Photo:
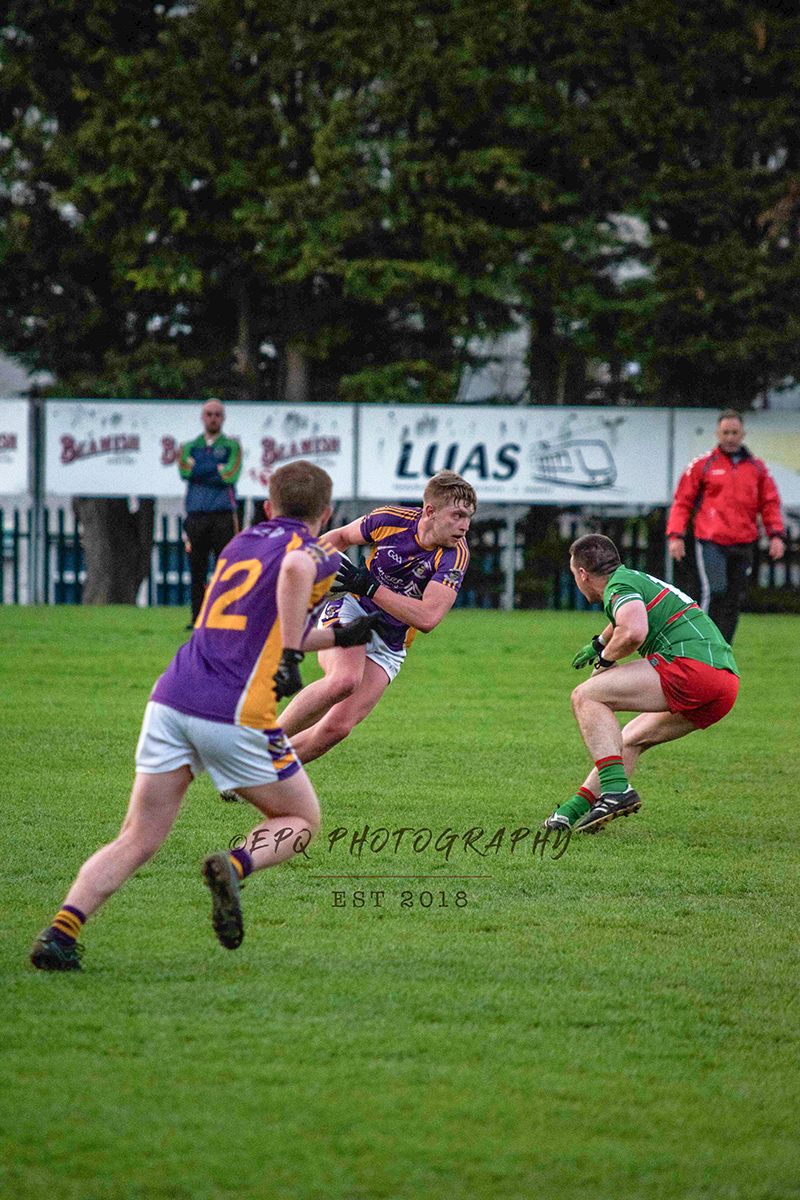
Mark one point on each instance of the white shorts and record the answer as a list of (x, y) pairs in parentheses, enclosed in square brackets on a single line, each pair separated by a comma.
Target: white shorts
[(234, 755), (346, 608)]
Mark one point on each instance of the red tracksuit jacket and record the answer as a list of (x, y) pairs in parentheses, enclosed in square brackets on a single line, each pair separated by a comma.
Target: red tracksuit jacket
[(726, 499)]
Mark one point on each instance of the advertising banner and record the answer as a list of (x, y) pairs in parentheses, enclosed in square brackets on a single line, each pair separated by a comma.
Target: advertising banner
[(773, 435), (13, 447), (517, 454), (510, 454), (131, 447)]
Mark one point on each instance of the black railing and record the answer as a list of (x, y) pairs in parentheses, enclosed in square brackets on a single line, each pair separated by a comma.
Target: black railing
[(15, 556)]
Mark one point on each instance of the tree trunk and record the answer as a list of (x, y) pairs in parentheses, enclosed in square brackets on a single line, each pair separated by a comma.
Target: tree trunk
[(117, 546), (296, 375), (244, 355)]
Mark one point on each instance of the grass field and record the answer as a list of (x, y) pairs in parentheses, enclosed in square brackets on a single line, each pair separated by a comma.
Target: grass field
[(618, 1023)]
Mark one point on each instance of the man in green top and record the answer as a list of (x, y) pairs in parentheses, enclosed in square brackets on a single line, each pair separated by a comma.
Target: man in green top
[(211, 466), (686, 679)]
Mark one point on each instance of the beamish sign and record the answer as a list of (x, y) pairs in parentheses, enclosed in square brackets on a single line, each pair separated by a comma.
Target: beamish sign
[(130, 447)]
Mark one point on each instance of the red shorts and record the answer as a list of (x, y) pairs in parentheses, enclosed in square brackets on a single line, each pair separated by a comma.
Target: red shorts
[(702, 694)]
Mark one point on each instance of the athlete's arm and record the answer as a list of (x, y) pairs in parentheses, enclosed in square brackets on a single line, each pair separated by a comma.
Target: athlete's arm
[(424, 614), (629, 633), (346, 535), (295, 581)]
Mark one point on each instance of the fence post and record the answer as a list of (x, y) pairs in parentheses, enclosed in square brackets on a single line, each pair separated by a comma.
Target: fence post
[(15, 572), (37, 545), (45, 556), (669, 564)]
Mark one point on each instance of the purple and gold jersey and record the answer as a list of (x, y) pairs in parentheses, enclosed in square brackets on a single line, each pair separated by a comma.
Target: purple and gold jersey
[(398, 560), (224, 672)]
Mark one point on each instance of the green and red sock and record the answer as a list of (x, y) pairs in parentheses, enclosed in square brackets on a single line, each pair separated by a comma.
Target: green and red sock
[(577, 805), (612, 774)]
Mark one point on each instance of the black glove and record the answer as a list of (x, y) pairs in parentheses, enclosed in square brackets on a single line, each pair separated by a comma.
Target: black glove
[(358, 632), (287, 677), (354, 579)]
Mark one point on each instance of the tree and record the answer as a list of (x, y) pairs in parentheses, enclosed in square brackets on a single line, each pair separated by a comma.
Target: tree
[(706, 97), (312, 184), (309, 202)]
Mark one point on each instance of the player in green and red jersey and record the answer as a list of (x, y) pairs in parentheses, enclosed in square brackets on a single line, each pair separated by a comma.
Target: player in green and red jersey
[(687, 678)]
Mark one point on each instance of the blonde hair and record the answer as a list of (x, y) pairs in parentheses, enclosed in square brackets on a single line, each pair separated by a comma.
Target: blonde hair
[(445, 487)]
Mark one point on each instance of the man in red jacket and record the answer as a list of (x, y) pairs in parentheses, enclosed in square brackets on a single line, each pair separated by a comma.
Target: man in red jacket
[(726, 490)]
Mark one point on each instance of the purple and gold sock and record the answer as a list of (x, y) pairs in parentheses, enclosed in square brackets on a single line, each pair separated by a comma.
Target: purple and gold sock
[(242, 862), (67, 924)]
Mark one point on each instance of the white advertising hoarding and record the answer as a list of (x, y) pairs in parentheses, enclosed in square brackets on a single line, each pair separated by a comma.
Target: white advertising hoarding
[(131, 447), (13, 447), (517, 454), (771, 435), (510, 454)]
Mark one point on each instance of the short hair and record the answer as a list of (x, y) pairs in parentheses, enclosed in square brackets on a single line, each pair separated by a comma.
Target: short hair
[(445, 487), (300, 489), (596, 553), (730, 414)]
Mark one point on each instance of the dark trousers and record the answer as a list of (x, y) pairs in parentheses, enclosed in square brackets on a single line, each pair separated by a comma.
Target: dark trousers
[(724, 572), (208, 533)]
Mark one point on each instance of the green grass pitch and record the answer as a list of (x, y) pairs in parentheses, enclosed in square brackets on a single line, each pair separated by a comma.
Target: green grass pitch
[(617, 1023)]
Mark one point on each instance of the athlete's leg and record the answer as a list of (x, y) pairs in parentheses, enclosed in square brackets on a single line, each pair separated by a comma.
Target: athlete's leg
[(632, 687), (343, 717), (292, 816), (153, 807), (344, 672), (646, 730)]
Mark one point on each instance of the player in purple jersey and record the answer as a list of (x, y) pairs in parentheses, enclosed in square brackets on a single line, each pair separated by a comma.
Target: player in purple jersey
[(214, 709), (415, 566)]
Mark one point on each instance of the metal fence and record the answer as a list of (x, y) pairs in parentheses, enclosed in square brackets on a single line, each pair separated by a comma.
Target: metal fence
[(537, 576)]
